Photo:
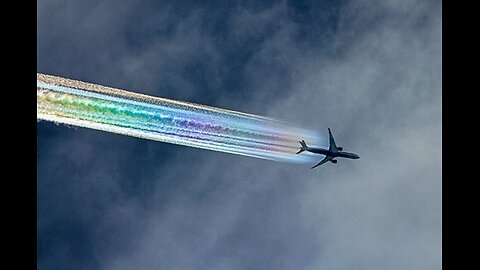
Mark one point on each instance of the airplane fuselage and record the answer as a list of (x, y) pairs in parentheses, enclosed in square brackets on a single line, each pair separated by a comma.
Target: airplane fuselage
[(333, 153)]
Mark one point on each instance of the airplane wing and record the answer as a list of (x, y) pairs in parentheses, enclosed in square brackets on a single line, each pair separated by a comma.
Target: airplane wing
[(333, 145), (325, 159)]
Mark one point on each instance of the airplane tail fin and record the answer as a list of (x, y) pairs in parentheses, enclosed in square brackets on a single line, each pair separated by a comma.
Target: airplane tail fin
[(303, 146)]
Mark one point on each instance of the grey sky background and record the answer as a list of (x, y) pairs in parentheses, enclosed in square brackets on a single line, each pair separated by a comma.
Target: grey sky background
[(370, 70)]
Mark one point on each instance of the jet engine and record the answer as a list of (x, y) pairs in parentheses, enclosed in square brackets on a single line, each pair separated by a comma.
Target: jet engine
[(334, 161), (340, 148)]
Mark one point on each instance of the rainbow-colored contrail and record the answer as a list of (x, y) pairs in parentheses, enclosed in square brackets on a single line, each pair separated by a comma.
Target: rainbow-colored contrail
[(98, 107)]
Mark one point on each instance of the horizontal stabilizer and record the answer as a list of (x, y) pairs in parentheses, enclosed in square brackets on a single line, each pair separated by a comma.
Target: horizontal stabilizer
[(303, 146)]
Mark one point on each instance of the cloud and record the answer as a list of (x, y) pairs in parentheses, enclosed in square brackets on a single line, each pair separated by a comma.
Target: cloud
[(371, 72)]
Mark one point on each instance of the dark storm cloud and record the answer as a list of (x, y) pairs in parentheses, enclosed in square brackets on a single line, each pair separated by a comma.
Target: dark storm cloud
[(370, 70)]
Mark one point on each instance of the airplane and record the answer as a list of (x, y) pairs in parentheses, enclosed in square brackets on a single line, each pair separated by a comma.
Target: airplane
[(332, 152)]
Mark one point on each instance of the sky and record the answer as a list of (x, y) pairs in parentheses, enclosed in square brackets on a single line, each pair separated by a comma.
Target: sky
[(369, 70)]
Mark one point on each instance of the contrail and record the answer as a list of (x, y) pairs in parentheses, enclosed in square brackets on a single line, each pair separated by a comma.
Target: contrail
[(118, 111)]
